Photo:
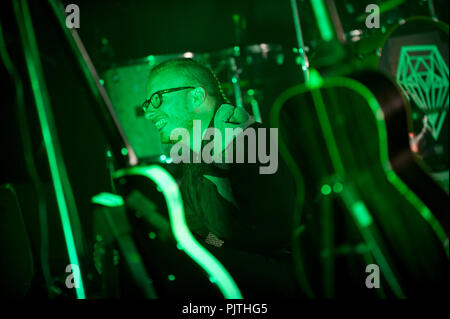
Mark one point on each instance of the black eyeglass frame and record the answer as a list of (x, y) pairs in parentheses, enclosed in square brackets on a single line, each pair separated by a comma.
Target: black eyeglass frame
[(160, 93)]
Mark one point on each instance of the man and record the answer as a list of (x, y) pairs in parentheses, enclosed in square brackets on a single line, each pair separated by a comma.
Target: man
[(231, 207)]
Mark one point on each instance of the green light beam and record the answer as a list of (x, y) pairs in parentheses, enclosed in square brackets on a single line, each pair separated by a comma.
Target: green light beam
[(41, 99)]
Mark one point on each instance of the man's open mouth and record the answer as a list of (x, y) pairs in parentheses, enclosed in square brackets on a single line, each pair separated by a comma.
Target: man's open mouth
[(160, 123)]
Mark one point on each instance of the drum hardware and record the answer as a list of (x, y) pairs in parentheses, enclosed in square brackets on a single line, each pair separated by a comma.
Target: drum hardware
[(112, 223), (235, 71), (301, 44), (334, 15), (432, 10), (239, 24), (255, 105)]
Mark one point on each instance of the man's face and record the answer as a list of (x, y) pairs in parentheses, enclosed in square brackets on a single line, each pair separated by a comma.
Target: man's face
[(174, 111)]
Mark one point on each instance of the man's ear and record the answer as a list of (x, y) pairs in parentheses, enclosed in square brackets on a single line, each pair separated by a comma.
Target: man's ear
[(197, 97)]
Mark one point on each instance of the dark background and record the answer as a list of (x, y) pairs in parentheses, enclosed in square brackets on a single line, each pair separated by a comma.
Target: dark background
[(115, 32)]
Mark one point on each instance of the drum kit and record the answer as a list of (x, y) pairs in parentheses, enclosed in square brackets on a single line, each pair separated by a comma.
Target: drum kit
[(253, 75), (247, 73), (412, 50)]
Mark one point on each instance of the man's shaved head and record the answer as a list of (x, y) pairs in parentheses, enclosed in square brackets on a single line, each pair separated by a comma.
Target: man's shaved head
[(200, 96)]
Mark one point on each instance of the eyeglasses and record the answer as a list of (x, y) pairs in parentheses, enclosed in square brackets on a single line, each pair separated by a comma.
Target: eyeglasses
[(156, 99)]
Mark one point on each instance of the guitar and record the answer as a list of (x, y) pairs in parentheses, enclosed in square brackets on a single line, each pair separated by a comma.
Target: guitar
[(343, 138)]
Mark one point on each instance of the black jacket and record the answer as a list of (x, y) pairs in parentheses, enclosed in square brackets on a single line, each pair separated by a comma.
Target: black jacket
[(261, 220)]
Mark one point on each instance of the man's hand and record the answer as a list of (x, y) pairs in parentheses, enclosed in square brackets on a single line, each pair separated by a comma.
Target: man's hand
[(228, 116)]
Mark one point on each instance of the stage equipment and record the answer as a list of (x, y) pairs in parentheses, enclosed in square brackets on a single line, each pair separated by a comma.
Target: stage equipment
[(344, 140), (251, 75)]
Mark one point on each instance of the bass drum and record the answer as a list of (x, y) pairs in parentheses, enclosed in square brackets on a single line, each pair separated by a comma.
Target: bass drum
[(416, 53)]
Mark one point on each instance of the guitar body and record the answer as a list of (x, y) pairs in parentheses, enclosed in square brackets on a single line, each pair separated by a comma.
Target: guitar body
[(354, 208), (407, 165)]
